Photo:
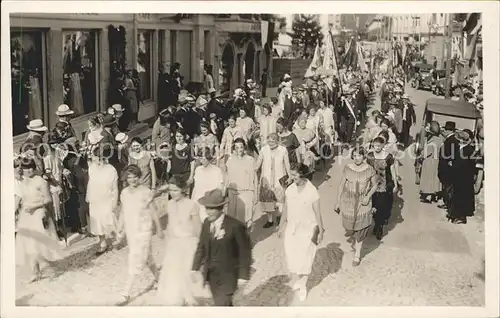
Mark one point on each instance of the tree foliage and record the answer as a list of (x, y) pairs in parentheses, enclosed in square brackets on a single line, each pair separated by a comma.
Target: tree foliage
[(306, 32)]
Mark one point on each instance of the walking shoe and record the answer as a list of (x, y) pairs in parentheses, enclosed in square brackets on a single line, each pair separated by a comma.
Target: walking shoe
[(303, 294), (356, 261)]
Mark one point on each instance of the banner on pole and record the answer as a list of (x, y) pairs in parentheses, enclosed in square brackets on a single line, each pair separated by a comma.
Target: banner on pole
[(329, 60), (264, 28), (315, 63)]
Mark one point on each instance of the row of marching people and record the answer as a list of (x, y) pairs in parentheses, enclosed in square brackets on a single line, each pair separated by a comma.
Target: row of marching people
[(308, 125), (245, 148)]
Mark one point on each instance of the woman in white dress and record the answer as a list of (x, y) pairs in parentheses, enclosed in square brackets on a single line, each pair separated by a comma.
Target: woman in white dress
[(308, 139), (326, 115), (230, 134), (138, 213), (207, 177), (302, 227), (241, 184), (274, 164), (246, 124), (175, 287), (36, 239), (314, 120), (102, 196), (267, 123)]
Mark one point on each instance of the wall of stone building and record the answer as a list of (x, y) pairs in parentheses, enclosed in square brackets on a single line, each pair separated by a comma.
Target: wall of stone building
[(225, 39)]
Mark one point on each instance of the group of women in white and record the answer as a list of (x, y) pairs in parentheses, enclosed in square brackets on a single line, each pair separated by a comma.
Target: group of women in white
[(128, 202)]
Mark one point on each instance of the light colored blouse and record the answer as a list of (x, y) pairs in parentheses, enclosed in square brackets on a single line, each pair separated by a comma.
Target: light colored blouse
[(241, 173), (267, 126), (247, 125), (229, 135)]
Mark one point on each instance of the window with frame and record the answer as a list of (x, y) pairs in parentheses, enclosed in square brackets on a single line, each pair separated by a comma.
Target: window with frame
[(27, 52), (80, 71), (144, 66)]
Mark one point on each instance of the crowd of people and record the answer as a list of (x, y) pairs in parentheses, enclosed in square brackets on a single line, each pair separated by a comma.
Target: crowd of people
[(221, 165)]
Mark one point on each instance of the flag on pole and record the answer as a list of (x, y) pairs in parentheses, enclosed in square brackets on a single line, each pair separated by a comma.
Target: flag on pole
[(315, 63), (330, 60), (361, 59), (264, 28)]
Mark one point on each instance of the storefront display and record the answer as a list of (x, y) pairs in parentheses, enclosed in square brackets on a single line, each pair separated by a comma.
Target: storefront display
[(79, 71), (144, 63), (27, 78)]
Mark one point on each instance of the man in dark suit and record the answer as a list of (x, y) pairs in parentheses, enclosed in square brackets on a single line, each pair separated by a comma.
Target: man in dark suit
[(224, 250), (409, 118), (192, 120), (447, 154), (348, 120), (250, 104), (263, 81)]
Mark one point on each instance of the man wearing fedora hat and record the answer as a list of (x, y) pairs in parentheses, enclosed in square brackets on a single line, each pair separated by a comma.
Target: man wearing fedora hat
[(447, 153), (110, 125), (409, 119), (35, 136), (224, 250), (63, 128), (33, 141), (216, 107)]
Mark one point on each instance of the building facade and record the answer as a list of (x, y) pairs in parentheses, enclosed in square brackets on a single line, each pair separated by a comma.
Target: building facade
[(68, 58)]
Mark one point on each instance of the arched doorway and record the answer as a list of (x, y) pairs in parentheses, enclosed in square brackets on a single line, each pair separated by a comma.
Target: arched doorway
[(249, 61), (226, 68)]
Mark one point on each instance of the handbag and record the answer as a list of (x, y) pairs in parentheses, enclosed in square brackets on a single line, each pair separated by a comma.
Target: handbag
[(315, 235)]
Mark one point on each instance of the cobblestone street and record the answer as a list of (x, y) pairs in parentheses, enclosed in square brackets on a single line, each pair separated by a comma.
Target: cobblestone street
[(422, 261)]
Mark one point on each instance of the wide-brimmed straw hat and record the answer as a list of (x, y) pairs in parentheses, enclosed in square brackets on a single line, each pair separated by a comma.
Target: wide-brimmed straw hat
[(213, 199), (36, 125), (63, 110), (239, 92), (121, 138), (118, 107)]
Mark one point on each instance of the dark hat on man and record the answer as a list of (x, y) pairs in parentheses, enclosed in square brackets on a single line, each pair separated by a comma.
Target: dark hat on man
[(450, 125), (108, 120), (213, 199)]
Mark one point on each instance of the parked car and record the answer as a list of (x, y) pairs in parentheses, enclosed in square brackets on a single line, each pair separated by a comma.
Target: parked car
[(422, 78)]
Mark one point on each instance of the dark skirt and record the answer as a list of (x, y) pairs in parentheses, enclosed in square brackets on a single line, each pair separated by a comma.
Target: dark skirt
[(462, 203), (382, 202)]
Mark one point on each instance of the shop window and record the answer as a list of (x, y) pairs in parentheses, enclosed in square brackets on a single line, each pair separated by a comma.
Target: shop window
[(144, 67), (28, 78), (80, 71)]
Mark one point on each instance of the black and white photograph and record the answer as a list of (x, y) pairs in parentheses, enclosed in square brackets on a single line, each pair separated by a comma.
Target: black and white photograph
[(273, 159)]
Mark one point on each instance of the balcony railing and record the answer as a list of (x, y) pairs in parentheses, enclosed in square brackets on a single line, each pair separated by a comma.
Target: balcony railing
[(238, 17)]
